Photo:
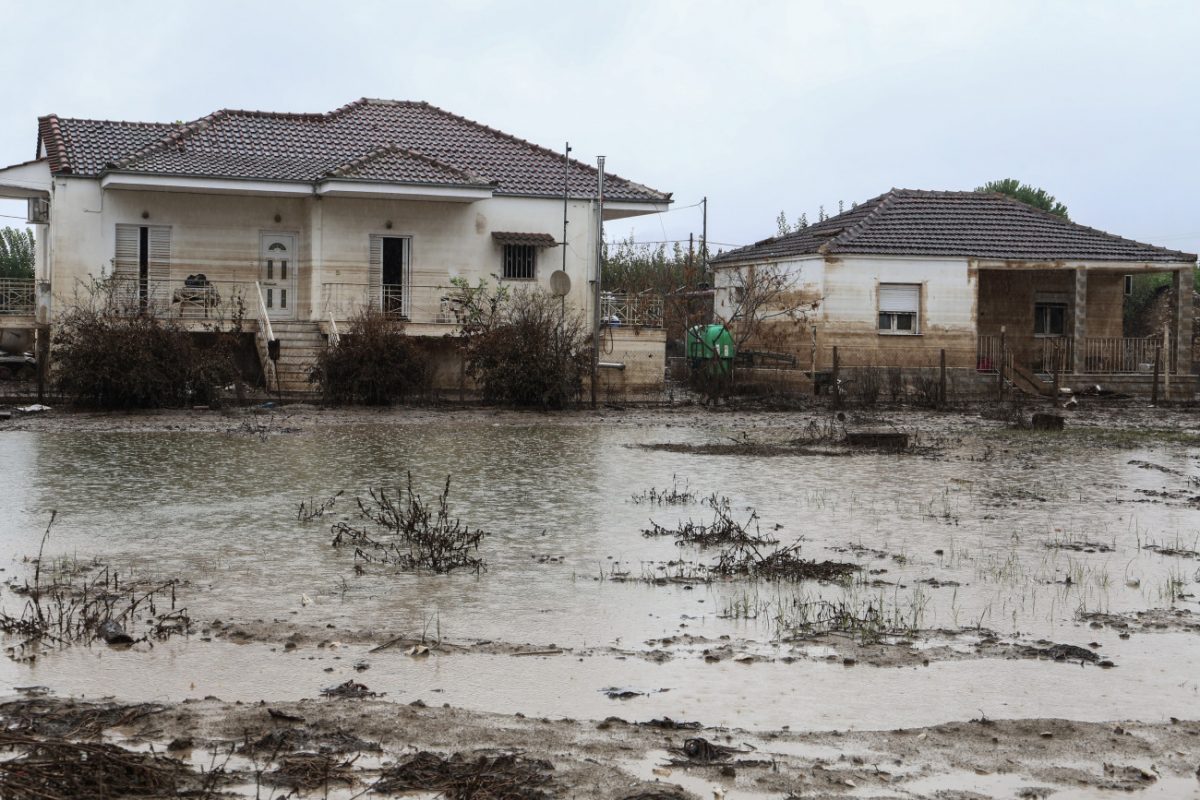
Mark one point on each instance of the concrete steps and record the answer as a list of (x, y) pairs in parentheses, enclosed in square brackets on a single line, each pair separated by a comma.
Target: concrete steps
[(300, 343)]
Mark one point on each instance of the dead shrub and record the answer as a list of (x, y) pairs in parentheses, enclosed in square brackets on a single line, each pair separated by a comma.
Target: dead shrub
[(112, 353), (523, 348), (895, 384), (373, 363), (406, 531), (866, 387)]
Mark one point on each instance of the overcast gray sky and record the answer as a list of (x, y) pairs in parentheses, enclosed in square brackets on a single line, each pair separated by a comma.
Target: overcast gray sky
[(761, 106)]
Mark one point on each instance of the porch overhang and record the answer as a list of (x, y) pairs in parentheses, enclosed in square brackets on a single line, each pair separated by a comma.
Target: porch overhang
[(30, 180), (403, 191), (1126, 267), (203, 185), (620, 209)]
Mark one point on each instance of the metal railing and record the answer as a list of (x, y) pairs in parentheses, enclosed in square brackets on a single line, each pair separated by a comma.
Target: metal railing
[(1053, 353), (1094, 355), (989, 354), (641, 310), (17, 296), (420, 304), (187, 298), (1123, 354)]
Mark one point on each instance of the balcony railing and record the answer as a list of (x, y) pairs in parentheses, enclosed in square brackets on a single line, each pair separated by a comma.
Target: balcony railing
[(17, 296), (1095, 355), (420, 304), (186, 298), (642, 310)]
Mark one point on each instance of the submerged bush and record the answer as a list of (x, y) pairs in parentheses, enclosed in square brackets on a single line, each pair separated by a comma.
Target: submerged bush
[(111, 353), (374, 363), (524, 349)]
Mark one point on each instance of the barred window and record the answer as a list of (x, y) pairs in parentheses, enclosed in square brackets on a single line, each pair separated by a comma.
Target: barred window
[(520, 262)]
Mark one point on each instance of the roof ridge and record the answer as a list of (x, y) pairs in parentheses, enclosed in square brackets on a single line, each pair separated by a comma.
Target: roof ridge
[(127, 122), (387, 149), (52, 125), (534, 146), (882, 202), (174, 137)]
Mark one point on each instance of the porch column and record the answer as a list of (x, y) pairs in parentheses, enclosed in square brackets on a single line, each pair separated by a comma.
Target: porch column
[(1181, 318), (1080, 313)]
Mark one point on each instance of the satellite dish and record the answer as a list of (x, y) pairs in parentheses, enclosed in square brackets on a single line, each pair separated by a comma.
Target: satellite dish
[(560, 283)]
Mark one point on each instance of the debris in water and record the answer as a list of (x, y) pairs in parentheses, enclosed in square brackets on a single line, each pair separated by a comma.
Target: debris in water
[(350, 690)]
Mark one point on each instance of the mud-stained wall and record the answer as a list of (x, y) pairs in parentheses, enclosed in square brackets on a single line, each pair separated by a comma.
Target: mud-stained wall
[(642, 352), (219, 235), (1008, 298), (846, 294)]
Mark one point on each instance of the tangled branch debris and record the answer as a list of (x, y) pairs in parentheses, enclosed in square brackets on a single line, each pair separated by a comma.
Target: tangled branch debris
[(56, 769), (69, 719), (744, 549), (77, 603), (403, 530), (307, 771), (461, 777)]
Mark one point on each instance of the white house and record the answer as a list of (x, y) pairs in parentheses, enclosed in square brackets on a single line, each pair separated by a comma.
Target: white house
[(302, 219), (903, 276)]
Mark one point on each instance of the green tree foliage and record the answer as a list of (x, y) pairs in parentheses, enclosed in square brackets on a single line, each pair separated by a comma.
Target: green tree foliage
[(1030, 195), (16, 253), (630, 266)]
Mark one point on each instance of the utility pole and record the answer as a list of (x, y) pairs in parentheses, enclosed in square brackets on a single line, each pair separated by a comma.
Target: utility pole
[(704, 238), (599, 269), (566, 196)]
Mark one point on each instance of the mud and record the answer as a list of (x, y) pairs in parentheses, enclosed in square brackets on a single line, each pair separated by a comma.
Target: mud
[(1012, 571), (402, 747)]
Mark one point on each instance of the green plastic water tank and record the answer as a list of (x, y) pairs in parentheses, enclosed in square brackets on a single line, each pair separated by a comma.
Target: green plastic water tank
[(712, 344)]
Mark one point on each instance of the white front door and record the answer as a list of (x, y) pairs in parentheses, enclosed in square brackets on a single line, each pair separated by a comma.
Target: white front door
[(277, 274)]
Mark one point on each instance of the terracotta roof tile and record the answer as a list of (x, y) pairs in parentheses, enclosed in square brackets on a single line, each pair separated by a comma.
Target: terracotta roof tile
[(305, 147), (908, 222), (535, 239)]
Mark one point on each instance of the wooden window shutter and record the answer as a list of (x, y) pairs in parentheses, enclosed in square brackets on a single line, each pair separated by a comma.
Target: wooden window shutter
[(159, 261), (375, 272), (125, 265)]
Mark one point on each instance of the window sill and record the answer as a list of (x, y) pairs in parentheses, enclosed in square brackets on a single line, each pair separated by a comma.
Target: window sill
[(900, 333), (523, 280)]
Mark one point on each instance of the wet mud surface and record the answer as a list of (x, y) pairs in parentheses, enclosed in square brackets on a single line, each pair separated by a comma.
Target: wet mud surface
[(997, 612), (341, 747)]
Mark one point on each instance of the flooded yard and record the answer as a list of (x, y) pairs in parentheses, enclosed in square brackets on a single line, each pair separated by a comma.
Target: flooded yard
[(1018, 595)]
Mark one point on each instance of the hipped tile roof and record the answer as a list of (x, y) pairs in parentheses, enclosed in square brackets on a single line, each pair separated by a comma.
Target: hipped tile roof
[(909, 222), (378, 140)]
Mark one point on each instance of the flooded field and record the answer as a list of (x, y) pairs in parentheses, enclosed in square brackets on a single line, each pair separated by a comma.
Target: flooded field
[(1002, 576)]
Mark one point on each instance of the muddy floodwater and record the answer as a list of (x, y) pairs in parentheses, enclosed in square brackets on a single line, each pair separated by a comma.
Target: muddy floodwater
[(1011, 575)]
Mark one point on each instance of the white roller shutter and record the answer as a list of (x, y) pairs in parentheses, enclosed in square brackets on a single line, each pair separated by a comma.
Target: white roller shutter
[(375, 272), (125, 265), (159, 262), (900, 297)]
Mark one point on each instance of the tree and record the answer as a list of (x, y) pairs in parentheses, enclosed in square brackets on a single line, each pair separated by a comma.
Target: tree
[(1029, 195), (16, 253)]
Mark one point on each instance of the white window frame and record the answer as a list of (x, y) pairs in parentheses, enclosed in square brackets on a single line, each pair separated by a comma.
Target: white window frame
[(894, 312)]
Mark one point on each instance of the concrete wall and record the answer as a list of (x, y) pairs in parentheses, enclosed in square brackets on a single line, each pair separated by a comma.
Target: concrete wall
[(643, 354), (219, 235), (846, 292)]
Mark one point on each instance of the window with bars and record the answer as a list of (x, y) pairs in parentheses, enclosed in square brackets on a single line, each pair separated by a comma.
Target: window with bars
[(520, 262)]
